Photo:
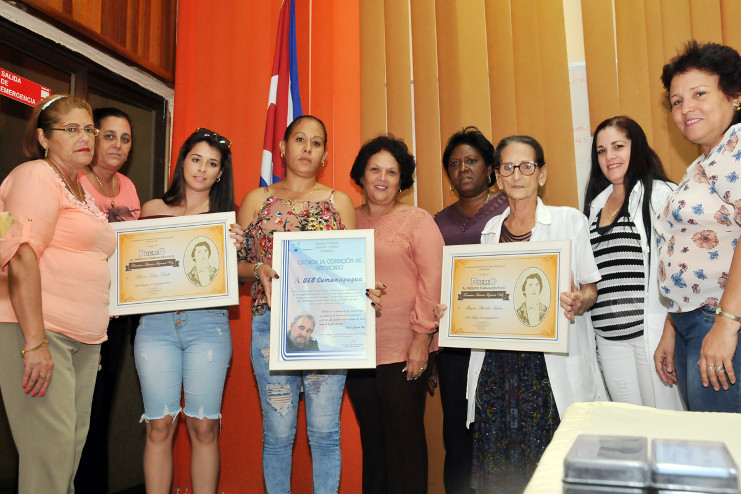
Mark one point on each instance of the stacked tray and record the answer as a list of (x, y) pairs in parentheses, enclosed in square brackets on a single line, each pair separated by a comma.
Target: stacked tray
[(620, 464)]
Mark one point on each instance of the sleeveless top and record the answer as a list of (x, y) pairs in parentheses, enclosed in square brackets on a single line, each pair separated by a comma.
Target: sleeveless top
[(282, 215)]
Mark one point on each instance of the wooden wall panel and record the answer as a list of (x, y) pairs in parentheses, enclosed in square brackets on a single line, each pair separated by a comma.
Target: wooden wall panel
[(139, 31)]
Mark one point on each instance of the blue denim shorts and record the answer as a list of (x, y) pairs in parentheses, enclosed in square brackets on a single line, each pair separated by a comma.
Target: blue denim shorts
[(185, 350)]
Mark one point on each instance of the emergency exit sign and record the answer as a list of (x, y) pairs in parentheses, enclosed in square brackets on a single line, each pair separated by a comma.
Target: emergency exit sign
[(16, 87)]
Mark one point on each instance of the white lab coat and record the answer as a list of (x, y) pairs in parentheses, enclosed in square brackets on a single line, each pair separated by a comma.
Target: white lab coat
[(574, 376)]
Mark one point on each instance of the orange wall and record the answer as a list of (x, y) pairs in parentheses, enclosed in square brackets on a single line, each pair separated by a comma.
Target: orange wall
[(223, 64)]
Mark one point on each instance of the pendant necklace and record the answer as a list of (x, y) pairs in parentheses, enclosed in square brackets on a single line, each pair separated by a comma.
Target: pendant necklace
[(102, 189), (185, 208), (79, 193)]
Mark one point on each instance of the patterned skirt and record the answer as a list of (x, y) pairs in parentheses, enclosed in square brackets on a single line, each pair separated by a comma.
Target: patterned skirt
[(516, 417)]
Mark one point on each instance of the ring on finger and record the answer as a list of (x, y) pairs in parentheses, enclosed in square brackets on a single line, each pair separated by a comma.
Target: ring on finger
[(716, 368), (42, 377)]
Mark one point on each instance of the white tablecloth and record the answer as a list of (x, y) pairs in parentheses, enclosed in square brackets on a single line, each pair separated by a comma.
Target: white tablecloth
[(620, 419)]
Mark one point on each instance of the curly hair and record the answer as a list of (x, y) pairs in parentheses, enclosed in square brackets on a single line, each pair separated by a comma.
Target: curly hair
[(396, 148), (712, 58)]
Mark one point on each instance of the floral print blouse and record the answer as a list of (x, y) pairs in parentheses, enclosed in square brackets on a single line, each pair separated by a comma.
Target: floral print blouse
[(282, 215), (699, 227)]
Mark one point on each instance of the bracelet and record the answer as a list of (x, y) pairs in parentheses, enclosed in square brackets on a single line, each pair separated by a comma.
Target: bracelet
[(242, 254), (45, 342), (254, 271), (721, 312)]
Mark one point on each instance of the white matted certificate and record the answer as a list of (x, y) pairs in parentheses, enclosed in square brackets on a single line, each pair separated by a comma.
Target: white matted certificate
[(174, 263), (320, 315), (505, 296)]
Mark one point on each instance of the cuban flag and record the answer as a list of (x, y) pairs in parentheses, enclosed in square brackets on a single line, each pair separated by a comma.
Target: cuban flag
[(284, 101)]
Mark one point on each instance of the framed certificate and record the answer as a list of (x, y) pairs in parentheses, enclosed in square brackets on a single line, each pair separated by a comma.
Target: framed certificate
[(506, 296), (178, 263), (320, 316)]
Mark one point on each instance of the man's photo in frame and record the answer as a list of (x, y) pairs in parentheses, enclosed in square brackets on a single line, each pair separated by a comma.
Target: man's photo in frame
[(533, 300)]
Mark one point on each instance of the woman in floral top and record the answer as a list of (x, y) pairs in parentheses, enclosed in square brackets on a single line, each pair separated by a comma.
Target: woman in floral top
[(298, 203), (698, 229)]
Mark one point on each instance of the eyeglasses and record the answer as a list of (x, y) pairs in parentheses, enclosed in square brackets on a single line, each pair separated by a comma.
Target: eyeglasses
[(219, 138), (526, 168), (91, 131)]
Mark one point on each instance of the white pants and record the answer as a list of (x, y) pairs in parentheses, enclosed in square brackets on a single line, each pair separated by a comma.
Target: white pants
[(627, 370)]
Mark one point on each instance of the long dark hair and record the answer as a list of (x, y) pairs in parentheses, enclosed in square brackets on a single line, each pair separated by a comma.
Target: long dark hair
[(644, 166), (221, 196)]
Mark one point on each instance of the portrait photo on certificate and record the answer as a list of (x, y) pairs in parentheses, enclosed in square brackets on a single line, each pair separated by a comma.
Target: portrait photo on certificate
[(320, 316), (174, 263), (506, 296)]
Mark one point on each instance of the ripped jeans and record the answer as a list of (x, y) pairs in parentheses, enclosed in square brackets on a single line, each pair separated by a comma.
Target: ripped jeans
[(188, 351), (279, 398)]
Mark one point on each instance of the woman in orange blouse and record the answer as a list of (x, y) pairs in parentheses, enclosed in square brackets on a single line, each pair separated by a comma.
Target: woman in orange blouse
[(53, 295), (389, 401)]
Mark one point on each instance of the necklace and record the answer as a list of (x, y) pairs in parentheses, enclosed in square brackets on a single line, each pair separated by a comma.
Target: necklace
[(79, 195), (465, 224), (612, 215), (185, 208), (113, 187)]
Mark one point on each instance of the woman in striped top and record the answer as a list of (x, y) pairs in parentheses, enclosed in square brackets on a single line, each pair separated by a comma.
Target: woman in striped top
[(627, 185)]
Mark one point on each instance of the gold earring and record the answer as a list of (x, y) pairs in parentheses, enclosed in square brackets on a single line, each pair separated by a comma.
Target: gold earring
[(451, 188), (322, 163), (282, 154), (737, 106)]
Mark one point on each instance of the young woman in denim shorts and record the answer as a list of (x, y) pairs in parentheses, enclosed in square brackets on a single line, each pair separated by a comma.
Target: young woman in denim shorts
[(187, 350)]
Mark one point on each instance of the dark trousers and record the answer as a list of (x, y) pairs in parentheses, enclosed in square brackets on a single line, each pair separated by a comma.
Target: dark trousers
[(390, 412), (92, 474), (452, 369)]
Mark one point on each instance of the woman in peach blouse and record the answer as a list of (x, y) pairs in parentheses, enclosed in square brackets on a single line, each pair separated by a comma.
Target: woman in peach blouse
[(53, 295), (389, 401)]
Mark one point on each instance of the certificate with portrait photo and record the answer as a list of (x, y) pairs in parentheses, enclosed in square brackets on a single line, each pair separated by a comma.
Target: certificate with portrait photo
[(174, 263), (506, 296), (320, 315)]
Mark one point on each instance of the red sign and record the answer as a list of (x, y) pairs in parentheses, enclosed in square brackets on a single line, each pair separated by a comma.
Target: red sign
[(20, 89)]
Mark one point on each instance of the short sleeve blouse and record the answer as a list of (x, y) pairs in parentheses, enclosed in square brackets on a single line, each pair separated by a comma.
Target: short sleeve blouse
[(698, 228), (72, 241)]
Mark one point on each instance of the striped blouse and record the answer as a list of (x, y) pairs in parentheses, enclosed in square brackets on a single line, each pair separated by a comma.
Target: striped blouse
[(618, 312)]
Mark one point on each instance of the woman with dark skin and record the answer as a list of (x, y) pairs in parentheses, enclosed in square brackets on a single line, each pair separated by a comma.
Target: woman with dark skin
[(468, 160)]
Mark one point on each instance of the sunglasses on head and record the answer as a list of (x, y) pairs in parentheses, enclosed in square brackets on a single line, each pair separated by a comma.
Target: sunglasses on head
[(219, 138)]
